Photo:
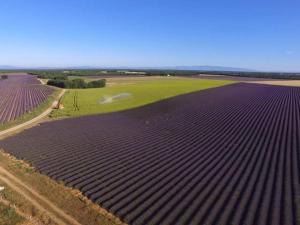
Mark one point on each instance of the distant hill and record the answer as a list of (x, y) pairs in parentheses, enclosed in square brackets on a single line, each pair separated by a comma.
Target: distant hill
[(213, 68), (200, 68), (6, 67)]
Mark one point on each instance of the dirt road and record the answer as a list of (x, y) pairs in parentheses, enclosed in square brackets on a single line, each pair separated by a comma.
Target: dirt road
[(34, 120), (37, 200)]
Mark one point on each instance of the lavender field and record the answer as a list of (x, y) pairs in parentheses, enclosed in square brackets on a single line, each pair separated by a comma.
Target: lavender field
[(20, 94), (223, 156)]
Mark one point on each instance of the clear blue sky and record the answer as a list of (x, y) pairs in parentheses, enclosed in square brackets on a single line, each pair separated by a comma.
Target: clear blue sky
[(256, 34)]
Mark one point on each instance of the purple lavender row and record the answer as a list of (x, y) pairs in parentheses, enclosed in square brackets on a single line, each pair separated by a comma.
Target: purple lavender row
[(228, 155), (20, 94)]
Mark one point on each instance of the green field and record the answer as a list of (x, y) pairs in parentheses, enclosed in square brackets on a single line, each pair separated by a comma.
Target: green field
[(138, 91)]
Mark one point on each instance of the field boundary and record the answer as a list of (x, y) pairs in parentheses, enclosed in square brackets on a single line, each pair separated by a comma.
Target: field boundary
[(85, 102), (55, 213), (208, 157), (36, 119)]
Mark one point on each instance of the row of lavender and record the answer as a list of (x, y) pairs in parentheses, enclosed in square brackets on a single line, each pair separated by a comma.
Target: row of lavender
[(226, 156), (20, 94)]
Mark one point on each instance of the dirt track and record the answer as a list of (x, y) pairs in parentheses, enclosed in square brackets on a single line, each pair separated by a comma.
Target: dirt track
[(38, 201), (228, 155), (32, 121)]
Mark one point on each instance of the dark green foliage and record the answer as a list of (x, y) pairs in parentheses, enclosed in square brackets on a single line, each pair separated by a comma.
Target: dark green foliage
[(77, 83), (59, 77), (53, 75), (58, 83), (97, 84)]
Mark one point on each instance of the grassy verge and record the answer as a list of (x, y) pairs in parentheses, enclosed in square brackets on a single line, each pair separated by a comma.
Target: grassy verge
[(139, 91), (35, 112), (8, 215), (71, 201)]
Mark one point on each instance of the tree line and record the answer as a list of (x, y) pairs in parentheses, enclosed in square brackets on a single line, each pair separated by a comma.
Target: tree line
[(76, 83)]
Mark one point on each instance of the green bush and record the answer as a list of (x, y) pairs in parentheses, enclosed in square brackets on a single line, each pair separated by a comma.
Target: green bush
[(77, 83), (96, 83), (49, 75), (58, 83)]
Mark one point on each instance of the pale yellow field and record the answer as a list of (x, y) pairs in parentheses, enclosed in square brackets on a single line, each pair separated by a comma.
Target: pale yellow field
[(294, 83)]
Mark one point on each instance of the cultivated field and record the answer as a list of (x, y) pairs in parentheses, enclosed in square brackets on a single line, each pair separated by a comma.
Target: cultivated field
[(292, 83), (20, 94), (130, 92), (232, 78), (36, 199), (222, 156)]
